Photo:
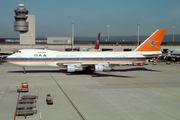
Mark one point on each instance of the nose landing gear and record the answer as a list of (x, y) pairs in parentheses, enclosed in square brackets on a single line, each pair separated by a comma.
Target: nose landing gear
[(24, 70)]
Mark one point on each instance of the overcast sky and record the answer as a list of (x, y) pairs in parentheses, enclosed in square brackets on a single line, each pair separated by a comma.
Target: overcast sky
[(93, 16)]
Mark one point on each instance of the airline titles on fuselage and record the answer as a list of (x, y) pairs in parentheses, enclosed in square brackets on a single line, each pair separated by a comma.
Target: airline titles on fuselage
[(40, 55), (44, 55)]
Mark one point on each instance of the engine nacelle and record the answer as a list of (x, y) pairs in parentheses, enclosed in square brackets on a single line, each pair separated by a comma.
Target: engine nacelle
[(98, 68), (70, 68), (101, 67), (73, 68)]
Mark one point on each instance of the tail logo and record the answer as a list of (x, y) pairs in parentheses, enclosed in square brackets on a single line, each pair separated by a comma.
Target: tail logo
[(152, 43)]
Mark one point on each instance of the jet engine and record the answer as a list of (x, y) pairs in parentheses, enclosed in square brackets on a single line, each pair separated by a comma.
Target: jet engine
[(101, 67), (73, 68)]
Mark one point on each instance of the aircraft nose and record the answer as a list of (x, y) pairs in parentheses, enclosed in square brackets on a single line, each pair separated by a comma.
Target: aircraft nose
[(6, 59)]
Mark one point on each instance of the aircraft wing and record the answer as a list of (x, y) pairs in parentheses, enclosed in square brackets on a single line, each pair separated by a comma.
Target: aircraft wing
[(94, 63), (67, 63), (96, 66)]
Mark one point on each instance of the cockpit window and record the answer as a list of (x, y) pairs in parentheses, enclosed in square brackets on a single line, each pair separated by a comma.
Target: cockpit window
[(18, 51)]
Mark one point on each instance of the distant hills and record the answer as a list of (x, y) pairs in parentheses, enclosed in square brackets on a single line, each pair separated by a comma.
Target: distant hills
[(167, 38), (126, 38)]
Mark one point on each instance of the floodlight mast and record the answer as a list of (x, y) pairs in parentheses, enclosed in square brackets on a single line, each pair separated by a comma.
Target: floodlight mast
[(108, 26), (138, 34), (173, 33), (72, 37)]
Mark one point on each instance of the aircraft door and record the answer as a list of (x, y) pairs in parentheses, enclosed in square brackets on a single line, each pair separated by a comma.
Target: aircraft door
[(79, 59), (28, 59), (104, 59)]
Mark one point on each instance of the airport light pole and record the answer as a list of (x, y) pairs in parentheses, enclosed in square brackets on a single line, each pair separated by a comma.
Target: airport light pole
[(46, 33), (138, 34), (108, 26), (173, 32), (72, 37)]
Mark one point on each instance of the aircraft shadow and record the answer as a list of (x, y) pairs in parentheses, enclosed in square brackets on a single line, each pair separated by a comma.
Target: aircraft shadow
[(105, 74), (93, 74), (109, 74), (36, 71), (135, 69)]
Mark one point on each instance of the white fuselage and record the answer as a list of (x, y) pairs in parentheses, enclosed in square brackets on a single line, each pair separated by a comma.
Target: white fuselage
[(50, 58)]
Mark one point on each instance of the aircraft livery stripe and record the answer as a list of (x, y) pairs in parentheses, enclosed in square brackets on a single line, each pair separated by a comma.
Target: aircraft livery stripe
[(71, 59), (115, 58)]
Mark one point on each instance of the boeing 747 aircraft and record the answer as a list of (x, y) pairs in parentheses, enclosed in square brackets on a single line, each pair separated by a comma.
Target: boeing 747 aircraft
[(95, 61)]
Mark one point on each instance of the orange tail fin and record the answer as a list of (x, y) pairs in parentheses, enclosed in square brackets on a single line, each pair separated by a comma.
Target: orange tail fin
[(153, 42), (97, 42)]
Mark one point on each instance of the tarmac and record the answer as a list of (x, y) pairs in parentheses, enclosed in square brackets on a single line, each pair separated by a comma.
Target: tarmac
[(150, 92)]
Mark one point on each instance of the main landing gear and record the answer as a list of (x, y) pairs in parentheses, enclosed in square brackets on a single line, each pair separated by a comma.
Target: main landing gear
[(24, 70)]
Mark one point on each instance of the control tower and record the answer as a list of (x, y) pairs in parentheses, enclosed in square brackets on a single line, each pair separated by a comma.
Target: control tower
[(20, 23), (25, 24)]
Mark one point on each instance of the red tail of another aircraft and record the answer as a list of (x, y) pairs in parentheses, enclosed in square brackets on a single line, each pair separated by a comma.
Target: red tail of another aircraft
[(97, 42)]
